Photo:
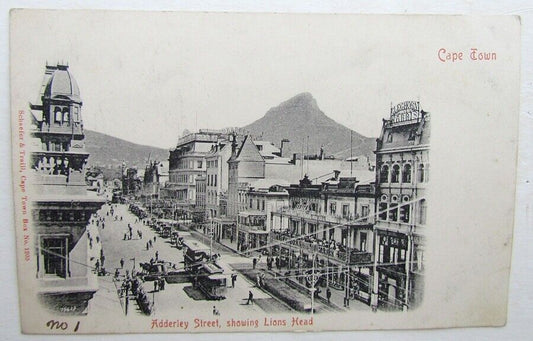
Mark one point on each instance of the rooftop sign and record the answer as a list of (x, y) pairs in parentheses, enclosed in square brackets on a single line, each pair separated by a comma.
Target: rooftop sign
[(405, 113)]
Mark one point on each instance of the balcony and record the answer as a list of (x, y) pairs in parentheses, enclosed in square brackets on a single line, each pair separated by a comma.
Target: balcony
[(327, 248), (346, 219)]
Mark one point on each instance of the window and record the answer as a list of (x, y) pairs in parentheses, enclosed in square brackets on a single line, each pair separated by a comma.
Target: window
[(389, 137), (421, 175), (66, 116), (199, 164), (406, 176), (215, 183), (332, 207), (364, 211), (54, 252), (58, 115), (383, 210), (362, 242), (251, 203), (404, 213), (384, 174), (422, 212), (345, 211), (393, 212), (395, 174)]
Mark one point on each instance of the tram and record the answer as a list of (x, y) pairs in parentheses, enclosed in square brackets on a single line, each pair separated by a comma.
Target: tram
[(194, 255), (212, 281)]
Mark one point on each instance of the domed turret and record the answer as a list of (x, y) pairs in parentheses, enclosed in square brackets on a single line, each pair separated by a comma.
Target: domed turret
[(61, 85)]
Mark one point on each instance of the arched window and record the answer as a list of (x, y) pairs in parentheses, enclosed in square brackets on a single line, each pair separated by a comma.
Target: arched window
[(66, 116), (395, 174), (421, 175), (406, 176), (426, 175), (422, 212), (57, 115), (384, 174)]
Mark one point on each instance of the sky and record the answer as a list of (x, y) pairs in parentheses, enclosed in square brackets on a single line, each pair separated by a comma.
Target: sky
[(147, 76)]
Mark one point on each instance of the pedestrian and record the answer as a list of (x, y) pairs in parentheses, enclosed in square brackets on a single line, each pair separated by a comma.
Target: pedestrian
[(156, 256), (162, 284), (258, 280), (233, 280), (254, 262), (102, 259), (231, 239), (125, 235), (155, 238), (97, 266), (250, 297), (140, 234), (147, 246), (156, 282), (150, 243), (103, 226), (121, 263), (328, 294)]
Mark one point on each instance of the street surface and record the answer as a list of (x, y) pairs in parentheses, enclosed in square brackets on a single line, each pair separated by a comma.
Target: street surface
[(176, 296)]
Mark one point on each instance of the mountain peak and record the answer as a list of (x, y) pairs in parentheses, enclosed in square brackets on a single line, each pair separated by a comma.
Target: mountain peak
[(304, 100), (300, 117), (303, 104)]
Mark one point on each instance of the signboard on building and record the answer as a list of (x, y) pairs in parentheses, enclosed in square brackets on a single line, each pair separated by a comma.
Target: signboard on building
[(405, 113)]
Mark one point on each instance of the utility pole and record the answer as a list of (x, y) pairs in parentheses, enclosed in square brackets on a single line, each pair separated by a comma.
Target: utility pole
[(313, 285), (351, 152)]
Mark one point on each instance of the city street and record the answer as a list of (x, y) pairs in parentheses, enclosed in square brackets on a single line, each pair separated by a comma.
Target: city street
[(176, 296)]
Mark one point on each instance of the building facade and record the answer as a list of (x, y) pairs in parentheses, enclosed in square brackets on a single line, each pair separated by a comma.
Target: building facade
[(186, 163), (217, 189), (402, 175), (329, 227), (254, 222), (61, 205)]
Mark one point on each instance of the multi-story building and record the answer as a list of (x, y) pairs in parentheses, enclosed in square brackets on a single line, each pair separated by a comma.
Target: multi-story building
[(199, 207), (186, 163), (402, 174), (61, 204), (263, 197), (217, 188), (245, 166), (329, 226)]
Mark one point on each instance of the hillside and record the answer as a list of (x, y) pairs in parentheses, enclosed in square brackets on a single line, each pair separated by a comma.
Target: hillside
[(109, 152), (299, 117)]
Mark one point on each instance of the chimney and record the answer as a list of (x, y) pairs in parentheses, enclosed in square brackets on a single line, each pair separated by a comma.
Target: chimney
[(283, 141), (233, 143)]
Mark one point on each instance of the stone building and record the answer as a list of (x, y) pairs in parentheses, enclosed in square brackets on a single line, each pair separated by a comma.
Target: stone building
[(187, 162), (61, 205), (402, 175)]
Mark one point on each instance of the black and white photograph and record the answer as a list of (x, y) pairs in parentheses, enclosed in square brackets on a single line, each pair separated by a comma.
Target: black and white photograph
[(223, 172)]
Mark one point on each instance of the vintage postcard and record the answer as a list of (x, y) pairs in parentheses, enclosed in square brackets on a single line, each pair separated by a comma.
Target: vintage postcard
[(227, 172)]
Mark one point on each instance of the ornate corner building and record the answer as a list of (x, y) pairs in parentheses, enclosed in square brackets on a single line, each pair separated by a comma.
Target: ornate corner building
[(402, 174), (61, 204)]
